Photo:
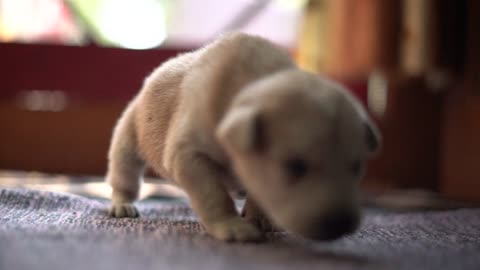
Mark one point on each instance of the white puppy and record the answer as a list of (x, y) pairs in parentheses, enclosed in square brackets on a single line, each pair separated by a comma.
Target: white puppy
[(238, 115)]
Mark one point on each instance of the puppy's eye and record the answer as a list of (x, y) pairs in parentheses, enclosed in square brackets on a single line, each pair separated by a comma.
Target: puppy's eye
[(296, 167), (355, 167)]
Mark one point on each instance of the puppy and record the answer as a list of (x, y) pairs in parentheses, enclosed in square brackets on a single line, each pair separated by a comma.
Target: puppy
[(239, 115)]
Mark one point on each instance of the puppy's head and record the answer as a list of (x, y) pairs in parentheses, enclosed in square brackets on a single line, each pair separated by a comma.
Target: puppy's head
[(299, 145)]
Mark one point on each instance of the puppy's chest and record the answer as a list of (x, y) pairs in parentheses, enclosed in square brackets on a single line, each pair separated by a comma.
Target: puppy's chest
[(222, 164), (233, 184)]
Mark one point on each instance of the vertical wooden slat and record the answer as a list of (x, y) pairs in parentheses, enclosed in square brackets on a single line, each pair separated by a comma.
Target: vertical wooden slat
[(461, 143)]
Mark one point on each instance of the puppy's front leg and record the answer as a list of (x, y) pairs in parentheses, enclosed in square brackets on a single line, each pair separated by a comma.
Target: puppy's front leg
[(201, 179)]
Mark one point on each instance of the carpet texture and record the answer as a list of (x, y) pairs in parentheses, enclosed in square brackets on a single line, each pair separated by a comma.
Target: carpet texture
[(43, 230)]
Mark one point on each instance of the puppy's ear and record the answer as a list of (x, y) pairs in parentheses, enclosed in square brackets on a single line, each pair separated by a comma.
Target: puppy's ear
[(373, 138), (242, 129)]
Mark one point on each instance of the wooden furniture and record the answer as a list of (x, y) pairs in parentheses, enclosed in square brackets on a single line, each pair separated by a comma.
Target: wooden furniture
[(95, 85), (427, 51)]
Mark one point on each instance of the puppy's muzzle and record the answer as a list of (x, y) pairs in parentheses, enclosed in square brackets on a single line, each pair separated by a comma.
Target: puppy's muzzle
[(334, 226)]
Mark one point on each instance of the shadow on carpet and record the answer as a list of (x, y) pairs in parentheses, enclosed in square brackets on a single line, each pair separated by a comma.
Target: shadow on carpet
[(44, 230)]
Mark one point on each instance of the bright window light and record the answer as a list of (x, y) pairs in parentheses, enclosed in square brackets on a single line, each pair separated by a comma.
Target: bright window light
[(133, 24)]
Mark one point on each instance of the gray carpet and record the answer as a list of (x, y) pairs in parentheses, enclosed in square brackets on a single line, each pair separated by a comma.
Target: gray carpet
[(42, 230)]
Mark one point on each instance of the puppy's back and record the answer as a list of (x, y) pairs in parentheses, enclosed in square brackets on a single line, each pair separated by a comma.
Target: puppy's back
[(200, 86), (156, 105), (225, 67)]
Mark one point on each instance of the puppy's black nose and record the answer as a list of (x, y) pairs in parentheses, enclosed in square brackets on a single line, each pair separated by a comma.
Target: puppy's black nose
[(335, 225)]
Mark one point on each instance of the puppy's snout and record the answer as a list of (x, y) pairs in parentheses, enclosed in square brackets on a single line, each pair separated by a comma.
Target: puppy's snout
[(335, 225)]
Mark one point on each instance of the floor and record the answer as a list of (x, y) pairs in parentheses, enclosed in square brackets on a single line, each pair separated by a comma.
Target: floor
[(44, 230)]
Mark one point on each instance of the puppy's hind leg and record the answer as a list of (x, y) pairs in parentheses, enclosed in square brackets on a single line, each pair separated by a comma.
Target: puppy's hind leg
[(125, 167)]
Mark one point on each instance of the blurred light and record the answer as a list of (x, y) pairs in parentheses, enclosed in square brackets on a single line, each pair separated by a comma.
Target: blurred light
[(377, 93), (87, 186), (43, 100), (438, 80), (37, 20), (292, 4), (104, 190), (133, 24)]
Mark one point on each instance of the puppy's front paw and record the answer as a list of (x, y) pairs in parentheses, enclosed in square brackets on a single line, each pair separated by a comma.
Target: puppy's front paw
[(235, 229), (253, 215), (123, 210), (262, 223)]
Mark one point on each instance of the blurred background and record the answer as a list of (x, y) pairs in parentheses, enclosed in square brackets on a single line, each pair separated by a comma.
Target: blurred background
[(68, 68)]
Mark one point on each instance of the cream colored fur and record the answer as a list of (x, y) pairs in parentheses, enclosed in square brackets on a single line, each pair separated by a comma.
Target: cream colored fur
[(229, 117)]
